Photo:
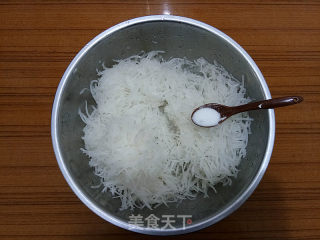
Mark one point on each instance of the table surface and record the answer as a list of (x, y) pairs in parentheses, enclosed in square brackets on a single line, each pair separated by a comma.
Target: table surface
[(38, 39)]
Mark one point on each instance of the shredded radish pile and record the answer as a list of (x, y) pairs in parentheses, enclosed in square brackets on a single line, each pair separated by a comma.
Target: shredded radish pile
[(140, 138)]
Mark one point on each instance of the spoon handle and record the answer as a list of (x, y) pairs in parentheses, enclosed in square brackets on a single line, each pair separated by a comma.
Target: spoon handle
[(266, 104)]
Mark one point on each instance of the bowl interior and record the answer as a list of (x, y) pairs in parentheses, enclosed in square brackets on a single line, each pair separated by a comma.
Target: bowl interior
[(177, 40)]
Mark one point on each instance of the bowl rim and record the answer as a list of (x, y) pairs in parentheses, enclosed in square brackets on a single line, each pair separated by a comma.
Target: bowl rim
[(99, 211)]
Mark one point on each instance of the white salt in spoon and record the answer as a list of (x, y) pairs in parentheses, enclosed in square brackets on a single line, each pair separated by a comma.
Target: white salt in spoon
[(212, 114)]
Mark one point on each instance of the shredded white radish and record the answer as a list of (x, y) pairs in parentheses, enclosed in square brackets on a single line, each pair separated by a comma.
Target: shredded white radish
[(140, 138)]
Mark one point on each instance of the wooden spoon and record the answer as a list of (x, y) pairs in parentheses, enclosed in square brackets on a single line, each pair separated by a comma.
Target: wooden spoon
[(212, 114)]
